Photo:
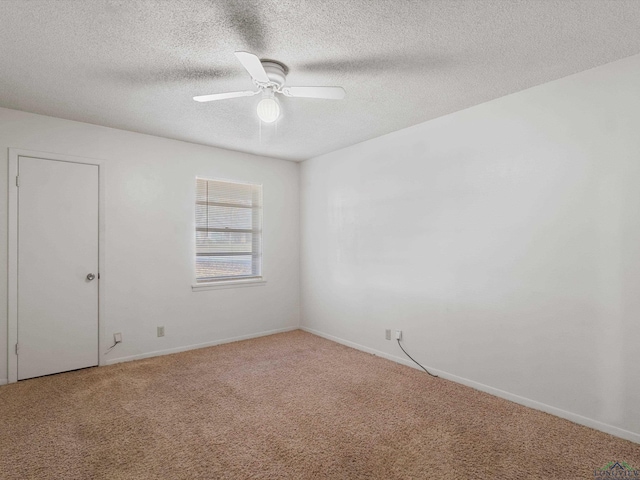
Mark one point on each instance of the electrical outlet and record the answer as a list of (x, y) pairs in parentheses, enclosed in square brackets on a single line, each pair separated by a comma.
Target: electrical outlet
[(117, 338), (398, 334), (387, 334), (161, 331)]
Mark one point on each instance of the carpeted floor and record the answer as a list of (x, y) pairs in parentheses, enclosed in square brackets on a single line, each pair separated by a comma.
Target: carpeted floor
[(291, 405)]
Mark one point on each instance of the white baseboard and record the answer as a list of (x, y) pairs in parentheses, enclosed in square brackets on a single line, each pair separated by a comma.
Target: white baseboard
[(573, 417), (157, 353), (3, 381)]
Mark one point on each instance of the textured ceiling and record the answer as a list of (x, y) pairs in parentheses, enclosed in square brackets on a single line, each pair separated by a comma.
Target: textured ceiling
[(135, 65)]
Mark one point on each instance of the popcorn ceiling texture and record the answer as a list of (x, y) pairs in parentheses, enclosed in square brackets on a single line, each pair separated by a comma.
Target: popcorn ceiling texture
[(291, 405), (135, 65)]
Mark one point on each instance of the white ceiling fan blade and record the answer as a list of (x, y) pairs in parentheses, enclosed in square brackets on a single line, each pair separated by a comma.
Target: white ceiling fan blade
[(253, 66), (224, 96), (332, 93)]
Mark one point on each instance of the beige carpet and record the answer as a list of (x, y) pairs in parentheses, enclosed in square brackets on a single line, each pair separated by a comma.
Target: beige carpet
[(291, 405)]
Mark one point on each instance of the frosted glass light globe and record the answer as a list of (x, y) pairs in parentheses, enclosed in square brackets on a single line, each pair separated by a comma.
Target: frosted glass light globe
[(268, 110)]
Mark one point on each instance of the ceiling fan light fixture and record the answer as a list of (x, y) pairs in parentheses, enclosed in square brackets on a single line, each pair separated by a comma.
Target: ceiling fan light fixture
[(269, 77), (268, 108)]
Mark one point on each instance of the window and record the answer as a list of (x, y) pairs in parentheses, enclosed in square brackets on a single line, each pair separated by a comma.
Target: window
[(228, 231)]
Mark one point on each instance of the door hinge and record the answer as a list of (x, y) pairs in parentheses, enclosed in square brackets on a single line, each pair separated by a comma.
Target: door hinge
[(98, 275), (17, 180), (17, 348)]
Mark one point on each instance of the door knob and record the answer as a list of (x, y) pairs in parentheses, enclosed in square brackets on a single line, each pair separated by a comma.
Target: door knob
[(91, 276)]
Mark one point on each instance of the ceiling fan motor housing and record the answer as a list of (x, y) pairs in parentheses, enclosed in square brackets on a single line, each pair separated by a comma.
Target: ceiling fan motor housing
[(276, 72)]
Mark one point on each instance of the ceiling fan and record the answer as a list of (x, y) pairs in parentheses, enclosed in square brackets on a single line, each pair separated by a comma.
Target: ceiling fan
[(269, 76)]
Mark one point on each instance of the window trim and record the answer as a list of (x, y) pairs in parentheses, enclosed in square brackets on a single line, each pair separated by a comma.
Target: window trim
[(218, 284)]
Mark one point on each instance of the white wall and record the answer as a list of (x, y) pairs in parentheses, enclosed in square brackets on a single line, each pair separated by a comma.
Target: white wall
[(149, 269), (504, 240)]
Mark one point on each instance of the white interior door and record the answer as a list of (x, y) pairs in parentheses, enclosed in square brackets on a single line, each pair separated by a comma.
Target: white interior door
[(57, 250)]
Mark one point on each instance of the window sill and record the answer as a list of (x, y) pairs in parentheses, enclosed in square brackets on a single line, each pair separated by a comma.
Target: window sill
[(252, 282)]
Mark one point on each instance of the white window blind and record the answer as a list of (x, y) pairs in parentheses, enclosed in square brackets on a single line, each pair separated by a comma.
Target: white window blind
[(228, 230)]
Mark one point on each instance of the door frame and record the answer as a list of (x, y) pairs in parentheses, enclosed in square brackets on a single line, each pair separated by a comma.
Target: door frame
[(12, 293)]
